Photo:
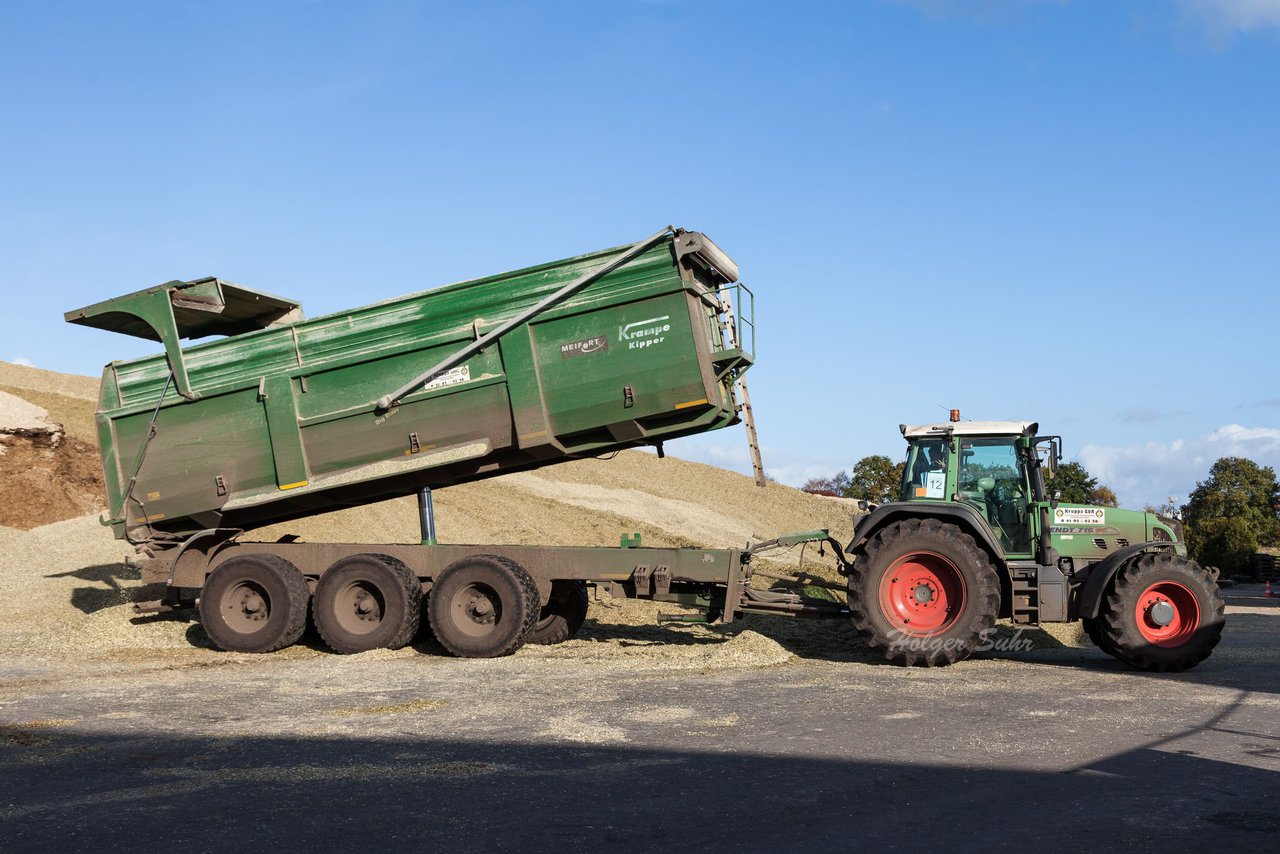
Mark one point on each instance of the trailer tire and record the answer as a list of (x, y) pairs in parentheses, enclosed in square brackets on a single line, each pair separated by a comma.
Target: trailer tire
[(483, 606), (1163, 612), (923, 593), (367, 601), (563, 614), (254, 603)]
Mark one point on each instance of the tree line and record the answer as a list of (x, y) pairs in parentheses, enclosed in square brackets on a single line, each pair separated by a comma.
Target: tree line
[(1227, 517)]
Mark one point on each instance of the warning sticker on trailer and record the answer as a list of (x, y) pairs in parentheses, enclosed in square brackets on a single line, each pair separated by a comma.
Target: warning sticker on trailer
[(1079, 516)]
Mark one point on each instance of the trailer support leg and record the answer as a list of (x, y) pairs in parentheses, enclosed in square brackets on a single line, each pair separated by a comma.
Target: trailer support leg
[(427, 516)]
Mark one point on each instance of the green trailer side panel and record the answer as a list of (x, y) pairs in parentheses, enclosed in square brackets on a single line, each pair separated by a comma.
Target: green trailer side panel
[(283, 433), (283, 423)]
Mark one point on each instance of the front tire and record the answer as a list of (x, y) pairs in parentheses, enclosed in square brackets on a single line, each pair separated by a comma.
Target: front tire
[(1094, 629), (923, 593), (1162, 613)]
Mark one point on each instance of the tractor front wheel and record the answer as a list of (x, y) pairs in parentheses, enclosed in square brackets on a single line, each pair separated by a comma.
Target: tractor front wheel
[(1163, 613), (923, 593)]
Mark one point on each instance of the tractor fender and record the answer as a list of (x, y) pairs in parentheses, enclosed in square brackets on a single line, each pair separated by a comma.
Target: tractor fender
[(1101, 573), (967, 517)]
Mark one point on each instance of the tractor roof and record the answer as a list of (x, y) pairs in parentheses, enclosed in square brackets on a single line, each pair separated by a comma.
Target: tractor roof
[(971, 428)]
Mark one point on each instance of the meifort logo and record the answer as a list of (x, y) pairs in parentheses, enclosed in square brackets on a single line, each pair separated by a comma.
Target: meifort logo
[(645, 333), (585, 347)]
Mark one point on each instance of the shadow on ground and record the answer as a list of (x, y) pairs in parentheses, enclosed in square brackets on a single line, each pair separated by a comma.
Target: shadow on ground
[(117, 584), (69, 791)]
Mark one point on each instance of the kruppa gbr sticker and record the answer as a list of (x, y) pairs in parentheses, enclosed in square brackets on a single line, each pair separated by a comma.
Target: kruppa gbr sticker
[(1079, 516)]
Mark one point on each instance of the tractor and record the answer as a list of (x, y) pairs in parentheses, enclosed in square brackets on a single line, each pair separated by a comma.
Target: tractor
[(979, 534)]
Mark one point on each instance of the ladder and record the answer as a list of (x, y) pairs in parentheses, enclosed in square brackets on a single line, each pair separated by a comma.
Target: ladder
[(730, 327)]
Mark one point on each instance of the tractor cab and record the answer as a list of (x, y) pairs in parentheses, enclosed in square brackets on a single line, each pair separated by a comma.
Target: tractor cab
[(989, 465)]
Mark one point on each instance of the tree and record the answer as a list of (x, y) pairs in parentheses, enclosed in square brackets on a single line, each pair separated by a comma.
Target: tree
[(1225, 543), (876, 478), (1102, 496), (834, 485), (1232, 512), (1075, 483), (1238, 488)]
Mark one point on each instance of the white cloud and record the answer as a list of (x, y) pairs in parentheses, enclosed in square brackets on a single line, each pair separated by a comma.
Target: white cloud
[(1224, 18), (1150, 472), (26, 363)]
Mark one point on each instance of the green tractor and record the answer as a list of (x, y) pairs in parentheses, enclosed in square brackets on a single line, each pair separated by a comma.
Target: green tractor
[(977, 536)]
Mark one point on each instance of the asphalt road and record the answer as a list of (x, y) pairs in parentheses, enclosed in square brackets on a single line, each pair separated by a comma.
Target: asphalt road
[(1042, 750)]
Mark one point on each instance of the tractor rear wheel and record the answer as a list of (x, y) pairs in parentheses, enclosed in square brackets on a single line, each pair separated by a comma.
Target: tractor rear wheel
[(483, 606), (1163, 613), (365, 602), (923, 592), (254, 603), (563, 615)]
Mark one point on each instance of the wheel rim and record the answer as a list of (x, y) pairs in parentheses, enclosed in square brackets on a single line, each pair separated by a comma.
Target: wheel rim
[(359, 607), (245, 607), (1167, 614), (922, 593), (475, 610)]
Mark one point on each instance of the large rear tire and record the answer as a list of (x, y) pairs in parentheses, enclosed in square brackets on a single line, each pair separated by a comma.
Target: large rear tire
[(365, 602), (254, 603), (483, 606), (923, 593), (1162, 613), (563, 615)]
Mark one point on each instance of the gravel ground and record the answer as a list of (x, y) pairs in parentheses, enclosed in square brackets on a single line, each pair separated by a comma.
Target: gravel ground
[(678, 737)]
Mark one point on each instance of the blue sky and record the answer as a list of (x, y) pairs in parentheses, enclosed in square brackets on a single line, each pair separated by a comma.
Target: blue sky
[(1065, 211)]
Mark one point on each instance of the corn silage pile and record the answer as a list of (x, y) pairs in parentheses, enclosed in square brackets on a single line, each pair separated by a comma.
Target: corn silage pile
[(65, 590)]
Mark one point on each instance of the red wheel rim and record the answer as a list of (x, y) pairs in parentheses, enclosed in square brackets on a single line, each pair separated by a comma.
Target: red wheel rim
[(922, 594), (1167, 614)]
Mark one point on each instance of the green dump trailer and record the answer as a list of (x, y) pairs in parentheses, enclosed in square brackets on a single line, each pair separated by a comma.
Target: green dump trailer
[(284, 417)]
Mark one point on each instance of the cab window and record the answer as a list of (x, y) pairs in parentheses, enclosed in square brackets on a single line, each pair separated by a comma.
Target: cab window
[(925, 475), (991, 476)]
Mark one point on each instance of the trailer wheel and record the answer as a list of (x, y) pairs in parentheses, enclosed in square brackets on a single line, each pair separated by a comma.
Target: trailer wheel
[(563, 615), (483, 606), (367, 601), (923, 593), (1163, 613), (254, 603)]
